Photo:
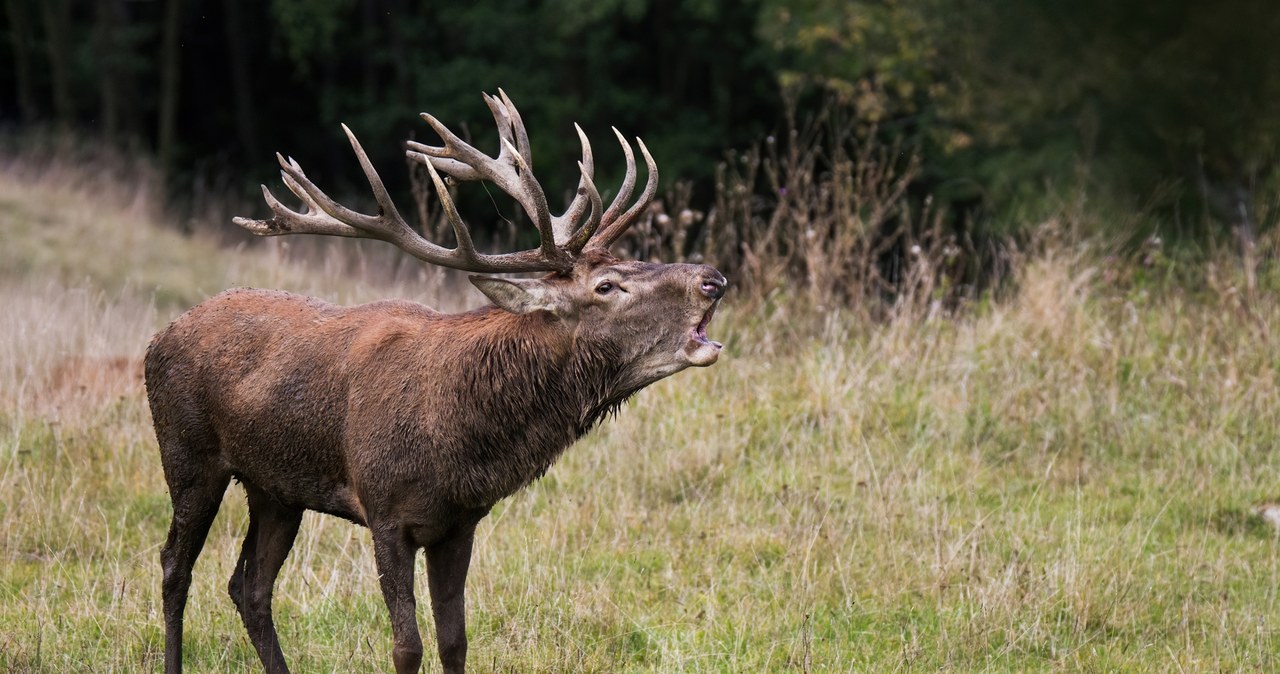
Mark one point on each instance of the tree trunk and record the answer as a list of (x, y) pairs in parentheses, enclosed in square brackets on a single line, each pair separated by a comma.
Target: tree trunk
[(57, 26), (238, 47), (20, 38), (170, 80), (401, 62), (108, 48), (368, 67)]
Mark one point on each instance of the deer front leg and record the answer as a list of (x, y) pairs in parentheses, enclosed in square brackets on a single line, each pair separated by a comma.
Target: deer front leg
[(394, 555), (447, 563)]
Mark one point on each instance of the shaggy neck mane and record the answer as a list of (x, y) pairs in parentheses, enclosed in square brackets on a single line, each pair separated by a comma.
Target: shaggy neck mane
[(534, 392), (534, 356)]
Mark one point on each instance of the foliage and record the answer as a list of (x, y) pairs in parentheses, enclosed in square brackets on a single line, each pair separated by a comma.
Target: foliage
[(690, 77), (309, 28), (1152, 107), (876, 55), (1164, 104)]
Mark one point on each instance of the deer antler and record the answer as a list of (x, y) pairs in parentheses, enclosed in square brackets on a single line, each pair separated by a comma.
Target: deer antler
[(561, 238)]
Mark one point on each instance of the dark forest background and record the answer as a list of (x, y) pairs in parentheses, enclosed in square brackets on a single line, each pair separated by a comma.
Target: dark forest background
[(1162, 115)]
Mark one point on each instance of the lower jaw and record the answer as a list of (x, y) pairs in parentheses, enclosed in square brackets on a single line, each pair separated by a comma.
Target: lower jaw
[(701, 354)]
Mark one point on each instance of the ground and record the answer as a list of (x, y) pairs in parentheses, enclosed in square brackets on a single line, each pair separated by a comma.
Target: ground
[(1062, 478)]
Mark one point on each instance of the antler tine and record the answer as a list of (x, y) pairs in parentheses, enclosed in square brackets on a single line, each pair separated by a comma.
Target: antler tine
[(502, 119), (615, 227), (286, 221), (531, 196), (315, 217), (565, 224), (561, 238), (325, 204), (312, 206), (628, 181), (328, 217), (517, 125), (389, 218), (510, 170), (460, 231), (456, 157), (579, 241), (450, 167)]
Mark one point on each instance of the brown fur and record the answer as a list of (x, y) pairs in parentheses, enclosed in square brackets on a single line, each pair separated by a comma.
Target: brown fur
[(397, 417)]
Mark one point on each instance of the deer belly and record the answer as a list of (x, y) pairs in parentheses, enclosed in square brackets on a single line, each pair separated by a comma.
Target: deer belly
[(310, 491), (298, 468)]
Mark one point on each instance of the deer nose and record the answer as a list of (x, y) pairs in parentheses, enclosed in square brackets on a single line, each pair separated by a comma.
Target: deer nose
[(714, 287)]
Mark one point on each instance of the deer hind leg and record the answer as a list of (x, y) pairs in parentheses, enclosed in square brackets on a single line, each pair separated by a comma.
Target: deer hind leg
[(272, 528), (195, 504)]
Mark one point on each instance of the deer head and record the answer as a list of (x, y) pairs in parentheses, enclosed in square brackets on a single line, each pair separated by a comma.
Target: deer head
[(653, 316)]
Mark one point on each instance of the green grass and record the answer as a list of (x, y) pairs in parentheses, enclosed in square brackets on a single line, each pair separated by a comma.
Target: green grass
[(1062, 481)]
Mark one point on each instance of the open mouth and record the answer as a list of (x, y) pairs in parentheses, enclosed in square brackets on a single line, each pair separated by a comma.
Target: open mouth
[(700, 331)]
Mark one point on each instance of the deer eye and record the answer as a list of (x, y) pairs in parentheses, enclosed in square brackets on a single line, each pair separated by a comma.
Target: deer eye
[(604, 288)]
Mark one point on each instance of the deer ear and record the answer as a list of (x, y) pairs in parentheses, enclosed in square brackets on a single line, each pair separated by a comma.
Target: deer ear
[(519, 296)]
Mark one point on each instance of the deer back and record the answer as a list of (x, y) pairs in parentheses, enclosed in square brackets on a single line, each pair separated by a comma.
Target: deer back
[(316, 402)]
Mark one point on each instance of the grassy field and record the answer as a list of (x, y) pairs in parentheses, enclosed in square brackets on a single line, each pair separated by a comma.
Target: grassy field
[(1065, 479)]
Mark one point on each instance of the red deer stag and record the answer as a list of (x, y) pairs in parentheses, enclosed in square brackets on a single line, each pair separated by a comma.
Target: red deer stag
[(408, 421)]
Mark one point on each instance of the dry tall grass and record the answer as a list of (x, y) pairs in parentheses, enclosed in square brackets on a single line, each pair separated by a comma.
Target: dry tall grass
[(821, 214), (1059, 480)]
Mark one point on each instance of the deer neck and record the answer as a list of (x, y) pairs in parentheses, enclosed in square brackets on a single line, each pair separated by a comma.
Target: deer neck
[(567, 382), (534, 392)]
